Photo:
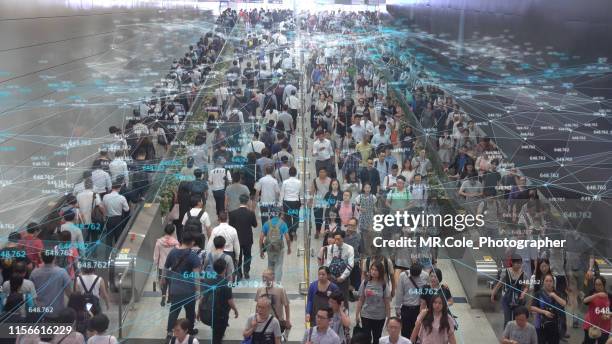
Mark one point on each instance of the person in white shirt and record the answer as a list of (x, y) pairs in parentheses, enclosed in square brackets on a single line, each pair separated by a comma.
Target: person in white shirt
[(218, 179), (101, 180), (367, 124), (267, 193), (232, 245), (394, 328), (119, 167), (116, 205), (291, 193), (322, 152), (86, 202), (358, 129), (75, 232), (391, 179), (293, 103), (197, 210), (254, 146), (222, 96), (381, 137), (347, 254)]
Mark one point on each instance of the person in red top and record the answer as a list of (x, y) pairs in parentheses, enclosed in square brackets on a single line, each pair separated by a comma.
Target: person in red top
[(598, 314), (32, 245)]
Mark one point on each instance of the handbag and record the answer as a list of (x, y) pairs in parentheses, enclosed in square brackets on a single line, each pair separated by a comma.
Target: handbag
[(358, 329), (594, 332)]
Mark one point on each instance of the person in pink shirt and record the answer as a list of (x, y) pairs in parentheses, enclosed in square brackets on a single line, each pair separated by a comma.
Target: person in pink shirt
[(163, 246)]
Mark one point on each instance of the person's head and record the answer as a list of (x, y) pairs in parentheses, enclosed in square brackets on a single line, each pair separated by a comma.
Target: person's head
[(222, 217), (339, 237), (416, 269), (377, 271), (394, 327), (292, 171), (267, 277), (335, 301), (322, 173), (169, 229), (188, 239), (263, 306), (334, 185), (219, 242), (324, 316), (401, 182), (180, 329), (599, 284), (346, 196), (367, 188), (219, 266), (197, 173), (370, 163), (244, 199), (517, 261), (548, 281), (16, 281), (435, 277), (97, 324), (69, 216), (323, 273), (351, 226), (407, 165), (521, 314), (422, 153), (417, 178), (269, 169), (196, 201), (33, 228)]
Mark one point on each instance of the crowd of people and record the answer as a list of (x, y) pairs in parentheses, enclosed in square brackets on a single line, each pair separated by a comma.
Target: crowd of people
[(379, 137)]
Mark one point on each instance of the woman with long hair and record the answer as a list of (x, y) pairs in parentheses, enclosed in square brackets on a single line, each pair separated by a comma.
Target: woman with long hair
[(319, 293), (366, 203), (596, 323), (374, 304), (408, 171), (547, 305), (537, 279), (434, 325), (334, 196)]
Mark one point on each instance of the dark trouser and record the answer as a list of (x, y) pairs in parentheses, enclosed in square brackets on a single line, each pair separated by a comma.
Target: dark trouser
[(294, 113), (561, 287), (177, 302), (292, 215), (114, 227), (218, 332), (409, 316), (600, 340), (373, 327), (244, 261), (550, 336), (344, 289), (219, 196), (318, 217), (264, 211), (164, 286), (355, 276)]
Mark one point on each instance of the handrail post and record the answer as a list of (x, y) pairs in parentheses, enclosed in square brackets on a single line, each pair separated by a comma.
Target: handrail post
[(120, 308), (133, 278)]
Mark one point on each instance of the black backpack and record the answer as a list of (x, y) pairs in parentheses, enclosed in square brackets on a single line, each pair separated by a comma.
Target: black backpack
[(193, 222), (89, 297)]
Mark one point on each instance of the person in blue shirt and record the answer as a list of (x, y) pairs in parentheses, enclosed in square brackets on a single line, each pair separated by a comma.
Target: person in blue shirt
[(271, 241)]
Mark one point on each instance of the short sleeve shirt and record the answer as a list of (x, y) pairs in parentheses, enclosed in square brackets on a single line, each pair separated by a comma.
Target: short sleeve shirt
[(266, 227), (374, 305), (273, 328), (526, 335)]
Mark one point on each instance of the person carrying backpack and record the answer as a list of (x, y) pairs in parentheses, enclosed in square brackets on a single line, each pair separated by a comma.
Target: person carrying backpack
[(197, 220), (215, 303), (271, 241), (211, 257), (92, 286)]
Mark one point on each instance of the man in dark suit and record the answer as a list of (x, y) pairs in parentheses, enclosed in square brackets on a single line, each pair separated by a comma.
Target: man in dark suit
[(244, 220)]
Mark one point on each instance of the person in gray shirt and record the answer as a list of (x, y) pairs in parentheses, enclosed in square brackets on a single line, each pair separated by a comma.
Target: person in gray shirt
[(519, 331), (322, 333), (51, 283), (262, 326), (233, 192)]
